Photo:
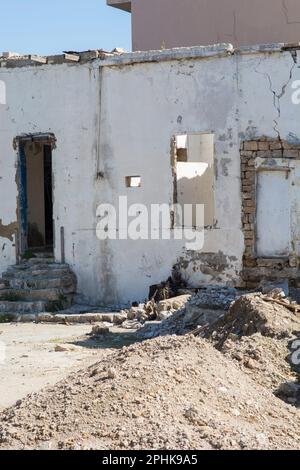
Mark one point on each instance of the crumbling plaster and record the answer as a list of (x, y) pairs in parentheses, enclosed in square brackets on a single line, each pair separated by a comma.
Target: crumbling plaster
[(146, 99)]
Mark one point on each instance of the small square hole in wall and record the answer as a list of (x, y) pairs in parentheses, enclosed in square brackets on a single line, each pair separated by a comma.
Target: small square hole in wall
[(133, 181)]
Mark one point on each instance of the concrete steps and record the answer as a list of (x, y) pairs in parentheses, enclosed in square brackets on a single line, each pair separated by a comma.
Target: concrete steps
[(36, 286), (29, 294), (42, 272), (16, 308), (35, 282)]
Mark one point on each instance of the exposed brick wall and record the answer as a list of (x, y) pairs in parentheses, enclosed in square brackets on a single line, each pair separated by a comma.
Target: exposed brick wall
[(254, 268)]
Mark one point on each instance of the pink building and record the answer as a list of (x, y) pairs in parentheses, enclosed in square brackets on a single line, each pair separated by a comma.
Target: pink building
[(160, 24)]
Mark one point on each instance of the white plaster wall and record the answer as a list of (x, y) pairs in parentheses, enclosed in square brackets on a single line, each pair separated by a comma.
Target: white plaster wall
[(273, 214), (142, 107), (157, 102), (62, 99), (231, 97)]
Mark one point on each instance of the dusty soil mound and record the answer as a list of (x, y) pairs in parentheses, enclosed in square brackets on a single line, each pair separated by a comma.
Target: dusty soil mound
[(254, 313), (258, 335), (170, 392)]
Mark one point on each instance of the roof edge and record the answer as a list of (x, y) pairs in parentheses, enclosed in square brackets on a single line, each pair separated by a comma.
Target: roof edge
[(119, 57), (120, 4)]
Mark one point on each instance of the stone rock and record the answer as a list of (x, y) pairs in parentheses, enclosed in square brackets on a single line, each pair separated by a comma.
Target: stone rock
[(119, 318), (59, 348), (111, 373), (251, 364), (288, 389), (280, 287), (132, 313), (165, 314), (174, 303), (99, 330)]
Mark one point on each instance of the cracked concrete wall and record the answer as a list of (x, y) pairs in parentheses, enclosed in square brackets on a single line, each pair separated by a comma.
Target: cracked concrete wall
[(233, 98), (238, 98), (63, 100), (175, 23)]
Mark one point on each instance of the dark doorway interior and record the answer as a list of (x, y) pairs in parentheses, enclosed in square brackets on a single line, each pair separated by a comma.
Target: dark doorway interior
[(48, 196), (36, 202)]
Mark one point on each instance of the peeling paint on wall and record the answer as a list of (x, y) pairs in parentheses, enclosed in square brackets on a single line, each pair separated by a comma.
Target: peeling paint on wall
[(8, 231), (213, 266)]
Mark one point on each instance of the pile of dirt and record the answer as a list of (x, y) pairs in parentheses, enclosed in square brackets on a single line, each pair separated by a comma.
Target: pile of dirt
[(258, 333), (166, 393), (256, 312)]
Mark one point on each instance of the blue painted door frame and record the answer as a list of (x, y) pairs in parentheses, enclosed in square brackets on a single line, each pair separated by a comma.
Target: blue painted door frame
[(23, 200)]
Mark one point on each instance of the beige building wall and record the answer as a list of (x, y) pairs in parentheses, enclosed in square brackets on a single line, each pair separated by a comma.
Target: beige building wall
[(173, 23)]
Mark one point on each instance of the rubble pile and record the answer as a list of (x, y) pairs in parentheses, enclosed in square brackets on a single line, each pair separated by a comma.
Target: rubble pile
[(265, 314), (258, 333), (189, 311), (216, 297), (156, 310), (167, 393)]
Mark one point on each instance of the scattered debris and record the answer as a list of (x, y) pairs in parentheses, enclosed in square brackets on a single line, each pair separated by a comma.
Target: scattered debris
[(182, 314), (216, 297)]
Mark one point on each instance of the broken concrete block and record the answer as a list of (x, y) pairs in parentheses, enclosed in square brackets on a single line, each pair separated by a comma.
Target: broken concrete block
[(175, 303), (132, 313), (119, 318), (165, 314)]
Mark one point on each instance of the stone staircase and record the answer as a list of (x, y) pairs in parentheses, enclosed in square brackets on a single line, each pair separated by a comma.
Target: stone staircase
[(35, 286)]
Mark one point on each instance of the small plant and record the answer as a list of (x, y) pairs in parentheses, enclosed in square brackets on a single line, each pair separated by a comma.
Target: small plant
[(28, 255), (6, 318)]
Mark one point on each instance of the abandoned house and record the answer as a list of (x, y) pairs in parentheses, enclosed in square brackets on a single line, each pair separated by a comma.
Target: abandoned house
[(78, 130)]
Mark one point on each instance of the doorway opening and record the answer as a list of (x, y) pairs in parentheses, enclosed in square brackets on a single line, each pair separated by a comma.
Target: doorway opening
[(36, 195)]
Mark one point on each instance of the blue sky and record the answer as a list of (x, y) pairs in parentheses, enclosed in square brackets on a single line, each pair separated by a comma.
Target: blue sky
[(41, 27)]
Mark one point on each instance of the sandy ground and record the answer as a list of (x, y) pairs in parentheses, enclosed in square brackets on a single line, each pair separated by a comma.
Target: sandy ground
[(228, 385), (31, 361), (166, 393)]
